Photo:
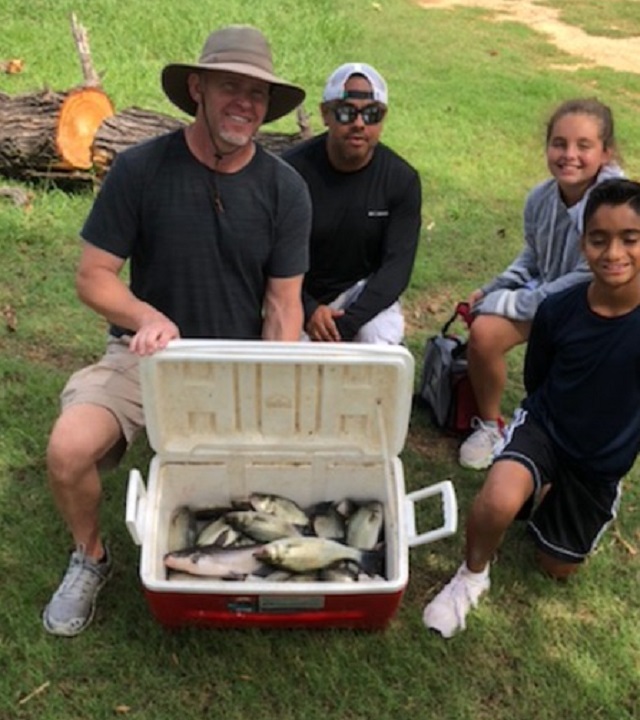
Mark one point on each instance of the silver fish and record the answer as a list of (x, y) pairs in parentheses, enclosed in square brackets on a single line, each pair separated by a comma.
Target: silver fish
[(242, 541), (303, 577), (304, 554), (328, 522), (214, 561), (261, 526), (346, 507), (365, 525), (273, 576), (345, 571), (219, 532), (280, 506), (182, 529)]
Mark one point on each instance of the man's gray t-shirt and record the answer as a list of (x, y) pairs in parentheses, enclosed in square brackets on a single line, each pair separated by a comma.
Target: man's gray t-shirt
[(204, 268)]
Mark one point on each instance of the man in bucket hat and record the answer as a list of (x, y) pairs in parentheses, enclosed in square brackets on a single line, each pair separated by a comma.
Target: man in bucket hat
[(366, 215), (216, 230)]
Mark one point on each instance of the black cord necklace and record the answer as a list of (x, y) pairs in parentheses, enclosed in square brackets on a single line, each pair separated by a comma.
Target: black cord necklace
[(218, 156)]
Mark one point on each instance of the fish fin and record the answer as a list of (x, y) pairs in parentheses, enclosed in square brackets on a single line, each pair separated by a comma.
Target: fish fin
[(372, 561)]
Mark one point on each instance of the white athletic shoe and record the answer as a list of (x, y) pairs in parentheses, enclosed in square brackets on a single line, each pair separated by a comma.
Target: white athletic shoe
[(476, 452), (448, 610)]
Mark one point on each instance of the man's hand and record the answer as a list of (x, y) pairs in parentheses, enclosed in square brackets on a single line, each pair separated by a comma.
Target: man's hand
[(154, 336), (321, 326)]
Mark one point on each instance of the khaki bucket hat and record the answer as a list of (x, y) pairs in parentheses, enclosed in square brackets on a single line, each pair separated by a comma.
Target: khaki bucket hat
[(240, 49)]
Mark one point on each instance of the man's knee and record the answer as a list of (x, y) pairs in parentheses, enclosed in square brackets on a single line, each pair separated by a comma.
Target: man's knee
[(386, 328), (554, 567), (80, 438)]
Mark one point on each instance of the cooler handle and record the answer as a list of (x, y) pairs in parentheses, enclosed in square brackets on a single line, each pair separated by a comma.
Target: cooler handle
[(449, 510), (136, 502)]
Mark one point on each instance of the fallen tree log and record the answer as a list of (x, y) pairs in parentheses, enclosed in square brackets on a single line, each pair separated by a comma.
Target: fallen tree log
[(75, 136), (49, 131)]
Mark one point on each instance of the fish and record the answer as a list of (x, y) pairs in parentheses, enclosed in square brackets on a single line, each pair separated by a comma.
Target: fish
[(261, 526), (365, 525), (214, 561), (182, 529), (304, 554), (345, 571), (303, 577), (281, 506), (327, 522), (346, 507), (219, 532), (273, 576)]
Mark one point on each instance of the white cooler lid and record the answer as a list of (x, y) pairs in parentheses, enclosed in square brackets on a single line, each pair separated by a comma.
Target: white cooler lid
[(203, 397)]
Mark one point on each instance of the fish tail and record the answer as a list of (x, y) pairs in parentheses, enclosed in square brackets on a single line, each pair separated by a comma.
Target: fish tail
[(372, 561)]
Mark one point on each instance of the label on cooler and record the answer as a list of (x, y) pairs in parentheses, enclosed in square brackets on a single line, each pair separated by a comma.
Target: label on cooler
[(290, 603)]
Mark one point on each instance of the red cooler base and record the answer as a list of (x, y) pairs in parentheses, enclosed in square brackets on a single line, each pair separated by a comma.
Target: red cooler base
[(363, 611)]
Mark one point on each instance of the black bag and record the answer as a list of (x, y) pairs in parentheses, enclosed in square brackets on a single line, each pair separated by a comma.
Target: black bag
[(445, 389)]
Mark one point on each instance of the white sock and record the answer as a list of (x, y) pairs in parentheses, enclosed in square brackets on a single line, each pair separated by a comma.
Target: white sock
[(476, 576)]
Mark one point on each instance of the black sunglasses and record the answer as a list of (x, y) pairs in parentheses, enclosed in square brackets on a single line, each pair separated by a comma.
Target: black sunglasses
[(346, 113)]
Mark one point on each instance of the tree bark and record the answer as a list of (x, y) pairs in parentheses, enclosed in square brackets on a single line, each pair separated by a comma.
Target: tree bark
[(134, 125), (49, 133), (127, 128)]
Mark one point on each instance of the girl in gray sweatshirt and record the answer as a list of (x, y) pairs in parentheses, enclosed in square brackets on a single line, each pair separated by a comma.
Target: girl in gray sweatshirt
[(581, 152)]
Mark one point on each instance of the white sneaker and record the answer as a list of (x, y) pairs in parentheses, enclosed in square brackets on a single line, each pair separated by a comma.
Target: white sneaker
[(448, 610), (476, 452)]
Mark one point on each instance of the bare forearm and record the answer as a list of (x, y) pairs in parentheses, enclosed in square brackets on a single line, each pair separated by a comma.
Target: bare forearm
[(283, 313), (107, 295), (283, 324)]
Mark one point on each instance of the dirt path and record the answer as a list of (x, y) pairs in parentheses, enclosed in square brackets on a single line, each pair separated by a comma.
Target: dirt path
[(621, 54)]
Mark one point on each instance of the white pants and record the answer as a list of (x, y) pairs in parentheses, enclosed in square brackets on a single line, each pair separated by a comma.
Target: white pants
[(386, 328)]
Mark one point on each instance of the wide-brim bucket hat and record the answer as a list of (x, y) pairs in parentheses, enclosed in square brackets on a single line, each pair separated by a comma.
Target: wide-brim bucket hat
[(240, 49)]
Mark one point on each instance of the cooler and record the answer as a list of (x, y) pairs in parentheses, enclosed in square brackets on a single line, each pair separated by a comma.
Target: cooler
[(311, 422)]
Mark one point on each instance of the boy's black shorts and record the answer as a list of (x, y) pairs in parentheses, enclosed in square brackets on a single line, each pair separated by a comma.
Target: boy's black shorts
[(573, 515)]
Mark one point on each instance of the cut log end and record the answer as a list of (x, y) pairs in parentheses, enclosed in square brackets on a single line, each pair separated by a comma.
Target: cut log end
[(81, 114)]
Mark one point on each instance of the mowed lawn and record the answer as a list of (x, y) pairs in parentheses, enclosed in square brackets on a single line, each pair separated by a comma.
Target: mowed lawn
[(469, 98)]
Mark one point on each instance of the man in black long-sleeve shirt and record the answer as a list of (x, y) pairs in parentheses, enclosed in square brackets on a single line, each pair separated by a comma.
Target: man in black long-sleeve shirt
[(366, 215)]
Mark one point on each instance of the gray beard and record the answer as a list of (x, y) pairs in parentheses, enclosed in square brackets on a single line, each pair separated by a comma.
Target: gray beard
[(237, 139)]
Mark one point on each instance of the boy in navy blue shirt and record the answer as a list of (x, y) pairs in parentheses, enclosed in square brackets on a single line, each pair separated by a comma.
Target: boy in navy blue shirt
[(577, 432)]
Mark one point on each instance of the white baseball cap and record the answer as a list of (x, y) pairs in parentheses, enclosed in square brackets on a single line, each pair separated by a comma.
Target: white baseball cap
[(334, 89)]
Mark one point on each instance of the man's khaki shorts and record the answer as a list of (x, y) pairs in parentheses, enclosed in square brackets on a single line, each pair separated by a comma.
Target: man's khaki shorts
[(112, 383)]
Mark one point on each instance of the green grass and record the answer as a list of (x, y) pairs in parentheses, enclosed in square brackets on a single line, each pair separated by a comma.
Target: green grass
[(469, 101), (609, 18)]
